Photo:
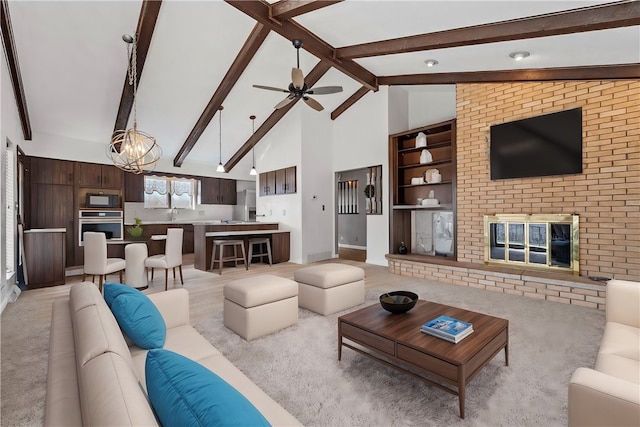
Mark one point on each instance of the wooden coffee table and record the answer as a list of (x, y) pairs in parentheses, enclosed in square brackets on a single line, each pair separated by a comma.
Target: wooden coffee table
[(397, 338)]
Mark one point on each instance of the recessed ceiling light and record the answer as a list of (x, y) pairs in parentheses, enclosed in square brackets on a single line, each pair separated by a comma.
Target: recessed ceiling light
[(430, 62), (519, 56)]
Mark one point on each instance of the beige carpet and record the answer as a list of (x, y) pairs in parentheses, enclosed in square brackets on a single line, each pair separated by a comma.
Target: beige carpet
[(298, 366)]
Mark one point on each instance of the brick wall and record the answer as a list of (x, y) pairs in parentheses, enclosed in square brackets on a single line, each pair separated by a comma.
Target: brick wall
[(606, 195)]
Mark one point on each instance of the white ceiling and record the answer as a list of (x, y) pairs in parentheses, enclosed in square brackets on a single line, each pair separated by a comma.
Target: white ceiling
[(73, 60)]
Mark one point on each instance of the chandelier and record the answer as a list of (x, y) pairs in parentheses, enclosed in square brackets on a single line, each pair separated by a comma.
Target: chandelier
[(133, 150), (253, 171)]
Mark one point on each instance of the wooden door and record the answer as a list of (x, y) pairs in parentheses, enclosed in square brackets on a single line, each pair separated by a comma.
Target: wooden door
[(227, 192), (89, 175), (134, 187), (210, 188), (50, 171), (52, 207), (111, 177), (290, 180), (281, 184)]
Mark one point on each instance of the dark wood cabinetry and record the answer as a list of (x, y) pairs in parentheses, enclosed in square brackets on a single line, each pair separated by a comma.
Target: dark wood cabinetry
[(45, 254), (281, 181), (218, 191), (98, 176), (50, 171), (134, 187), (407, 182)]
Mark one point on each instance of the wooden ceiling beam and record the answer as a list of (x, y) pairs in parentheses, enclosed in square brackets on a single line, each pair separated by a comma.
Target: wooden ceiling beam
[(603, 72), (287, 9), (144, 32), (312, 78), (289, 29), (10, 53), (248, 50), (592, 18), (349, 102)]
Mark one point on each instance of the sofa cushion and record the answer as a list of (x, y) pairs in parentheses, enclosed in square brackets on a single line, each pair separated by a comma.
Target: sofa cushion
[(621, 340), (185, 393), (328, 275), (619, 367), (137, 316)]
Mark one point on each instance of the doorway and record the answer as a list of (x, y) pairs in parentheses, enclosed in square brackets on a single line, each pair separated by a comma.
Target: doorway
[(357, 195)]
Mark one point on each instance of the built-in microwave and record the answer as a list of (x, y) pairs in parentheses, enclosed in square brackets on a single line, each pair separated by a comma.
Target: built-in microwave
[(102, 201)]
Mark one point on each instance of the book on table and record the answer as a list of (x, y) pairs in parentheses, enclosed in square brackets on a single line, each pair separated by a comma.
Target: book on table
[(448, 328)]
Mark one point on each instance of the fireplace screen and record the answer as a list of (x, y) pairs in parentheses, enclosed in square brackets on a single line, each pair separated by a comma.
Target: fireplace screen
[(544, 241)]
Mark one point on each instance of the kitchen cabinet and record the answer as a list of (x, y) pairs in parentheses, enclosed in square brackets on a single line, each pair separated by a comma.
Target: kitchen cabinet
[(406, 184), (50, 171), (218, 191), (134, 187), (98, 176), (281, 181), (45, 257), (267, 181), (52, 207)]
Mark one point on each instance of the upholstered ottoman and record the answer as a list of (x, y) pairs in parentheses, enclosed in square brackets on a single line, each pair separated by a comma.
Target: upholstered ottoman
[(329, 288), (260, 305)]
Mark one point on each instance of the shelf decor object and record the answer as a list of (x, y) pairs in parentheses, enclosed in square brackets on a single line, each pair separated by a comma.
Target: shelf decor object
[(133, 150)]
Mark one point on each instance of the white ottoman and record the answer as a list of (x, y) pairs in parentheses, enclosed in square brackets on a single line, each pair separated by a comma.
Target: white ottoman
[(135, 274), (260, 305), (329, 288)]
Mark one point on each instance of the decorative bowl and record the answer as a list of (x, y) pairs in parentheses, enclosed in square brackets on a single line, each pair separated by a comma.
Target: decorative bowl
[(398, 301)]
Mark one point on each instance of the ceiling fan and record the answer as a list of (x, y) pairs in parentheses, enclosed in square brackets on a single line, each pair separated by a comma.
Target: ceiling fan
[(299, 89)]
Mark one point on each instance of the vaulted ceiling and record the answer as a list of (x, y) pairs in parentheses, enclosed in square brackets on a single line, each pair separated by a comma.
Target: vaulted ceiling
[(195, 56)]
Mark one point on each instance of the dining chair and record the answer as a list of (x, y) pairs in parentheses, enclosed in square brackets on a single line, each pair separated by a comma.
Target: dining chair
[(96, 262), (172, 257)]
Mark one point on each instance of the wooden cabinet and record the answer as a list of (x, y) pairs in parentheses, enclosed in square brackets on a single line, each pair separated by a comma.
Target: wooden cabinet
[(218, 191), (98, 176), (134, 187), (45, 254), (50, 171), (280, 247), (281, 181), (407, 172), (267, 182), (52, 207)]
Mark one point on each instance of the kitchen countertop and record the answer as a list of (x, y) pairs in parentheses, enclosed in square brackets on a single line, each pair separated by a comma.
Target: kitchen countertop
[(206, 222), (46, 230)]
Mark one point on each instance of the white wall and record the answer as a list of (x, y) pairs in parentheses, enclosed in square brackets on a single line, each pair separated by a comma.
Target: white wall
[(432, 104), (10, 129), (360, 138), (281, 148)]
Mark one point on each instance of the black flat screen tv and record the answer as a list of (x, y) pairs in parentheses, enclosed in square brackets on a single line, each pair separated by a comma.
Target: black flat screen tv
[(545, 145)]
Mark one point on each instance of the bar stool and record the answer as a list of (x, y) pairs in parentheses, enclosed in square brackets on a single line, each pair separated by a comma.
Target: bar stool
[(221, 258), (259, 241)]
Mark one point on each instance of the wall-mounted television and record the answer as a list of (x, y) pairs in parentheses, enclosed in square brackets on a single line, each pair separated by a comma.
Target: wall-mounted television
[(545, 145)]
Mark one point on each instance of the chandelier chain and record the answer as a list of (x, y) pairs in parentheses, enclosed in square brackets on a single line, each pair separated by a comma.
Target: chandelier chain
[(132, 73)]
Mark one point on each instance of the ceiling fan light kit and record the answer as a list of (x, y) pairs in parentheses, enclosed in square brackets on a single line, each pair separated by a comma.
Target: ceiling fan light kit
[(298, 89), (131, 149)]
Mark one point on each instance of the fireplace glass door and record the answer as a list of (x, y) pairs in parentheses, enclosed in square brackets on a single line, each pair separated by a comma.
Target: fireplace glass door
[(544, 241)]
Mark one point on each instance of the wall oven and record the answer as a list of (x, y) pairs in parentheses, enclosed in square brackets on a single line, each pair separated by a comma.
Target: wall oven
[(109, 222)]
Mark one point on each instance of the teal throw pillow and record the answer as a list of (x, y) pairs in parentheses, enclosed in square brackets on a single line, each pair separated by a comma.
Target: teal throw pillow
[(137, 316), (185, 393)]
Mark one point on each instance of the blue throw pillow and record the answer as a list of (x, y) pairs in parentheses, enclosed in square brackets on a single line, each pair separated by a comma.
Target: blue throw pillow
[(137, 316), (185, 393)]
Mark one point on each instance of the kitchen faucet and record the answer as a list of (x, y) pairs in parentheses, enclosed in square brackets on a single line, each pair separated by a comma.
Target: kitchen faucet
[(174, 214)]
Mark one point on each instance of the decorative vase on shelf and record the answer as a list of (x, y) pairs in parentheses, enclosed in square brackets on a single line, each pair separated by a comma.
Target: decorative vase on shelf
[(402, 250), (425, 157), (421, 140)]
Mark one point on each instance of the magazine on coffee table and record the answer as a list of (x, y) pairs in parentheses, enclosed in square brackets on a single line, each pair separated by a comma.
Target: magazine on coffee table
[(448, 328)]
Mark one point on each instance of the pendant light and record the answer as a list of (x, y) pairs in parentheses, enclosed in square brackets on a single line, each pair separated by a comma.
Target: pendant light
[(133, 150), (253, 172), (220, 167)]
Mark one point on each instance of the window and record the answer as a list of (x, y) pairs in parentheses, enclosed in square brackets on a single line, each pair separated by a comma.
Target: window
[(165, 192)]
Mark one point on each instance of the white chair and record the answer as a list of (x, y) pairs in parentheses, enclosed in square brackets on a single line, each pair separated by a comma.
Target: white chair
[(172, 257), (96, 262)]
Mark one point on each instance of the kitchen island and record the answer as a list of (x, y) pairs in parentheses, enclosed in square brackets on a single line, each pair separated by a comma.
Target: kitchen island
[(204, 234)]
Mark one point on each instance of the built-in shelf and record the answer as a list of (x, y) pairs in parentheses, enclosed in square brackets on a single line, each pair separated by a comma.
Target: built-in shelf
[(421, 207)]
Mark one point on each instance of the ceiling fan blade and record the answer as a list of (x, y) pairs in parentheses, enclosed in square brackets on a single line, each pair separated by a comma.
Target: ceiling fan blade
[(284, 102), (297, 78), (313, 103), (277, 89), (324, 90)]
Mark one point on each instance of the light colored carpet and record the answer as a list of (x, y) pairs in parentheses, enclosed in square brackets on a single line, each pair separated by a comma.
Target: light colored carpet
[(298, 366)]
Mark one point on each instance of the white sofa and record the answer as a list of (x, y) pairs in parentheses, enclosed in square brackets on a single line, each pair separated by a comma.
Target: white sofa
[(96, 376), (609, 394)]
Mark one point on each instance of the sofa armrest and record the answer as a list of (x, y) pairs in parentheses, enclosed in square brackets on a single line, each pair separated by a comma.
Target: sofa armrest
[(623, 302), (173, 305), (598, 399)]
